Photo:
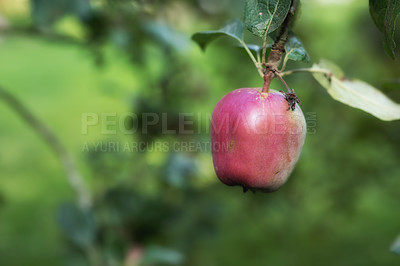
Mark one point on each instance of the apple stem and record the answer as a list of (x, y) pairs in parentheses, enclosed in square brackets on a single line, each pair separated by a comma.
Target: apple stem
[(268, 76)]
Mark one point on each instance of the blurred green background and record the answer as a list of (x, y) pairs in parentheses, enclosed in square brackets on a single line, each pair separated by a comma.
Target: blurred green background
[(64, 59)]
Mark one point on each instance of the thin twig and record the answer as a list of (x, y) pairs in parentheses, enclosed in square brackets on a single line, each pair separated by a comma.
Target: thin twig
[(285, 60), (255, 61), (311, 70), (264, 51), (283, 81), (73, 175)]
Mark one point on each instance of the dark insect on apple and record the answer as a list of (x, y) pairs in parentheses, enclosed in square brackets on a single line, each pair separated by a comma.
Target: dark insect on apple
[(292, 99)]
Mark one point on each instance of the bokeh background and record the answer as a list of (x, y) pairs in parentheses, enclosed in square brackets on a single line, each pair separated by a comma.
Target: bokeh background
[(63, 59)]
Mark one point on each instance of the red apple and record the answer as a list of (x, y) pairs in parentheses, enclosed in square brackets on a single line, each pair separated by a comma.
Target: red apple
[(256, 139)]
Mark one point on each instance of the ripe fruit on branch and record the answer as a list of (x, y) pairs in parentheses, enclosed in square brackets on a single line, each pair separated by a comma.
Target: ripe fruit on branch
[(256, 139)]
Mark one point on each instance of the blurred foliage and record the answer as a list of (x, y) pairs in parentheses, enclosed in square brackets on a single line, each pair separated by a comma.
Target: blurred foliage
[(168, 208)]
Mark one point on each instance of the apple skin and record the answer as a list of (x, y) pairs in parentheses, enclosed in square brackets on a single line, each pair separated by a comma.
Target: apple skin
[(256, 139)]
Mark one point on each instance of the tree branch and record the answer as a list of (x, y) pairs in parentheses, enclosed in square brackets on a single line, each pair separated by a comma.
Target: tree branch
[(73, 175), (278, 48)]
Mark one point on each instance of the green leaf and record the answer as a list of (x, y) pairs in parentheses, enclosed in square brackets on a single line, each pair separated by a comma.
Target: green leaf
[(77, 225), (385, 13), (234, 29), (396, 246), (295, 50), (356, 93), (261, 14)]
